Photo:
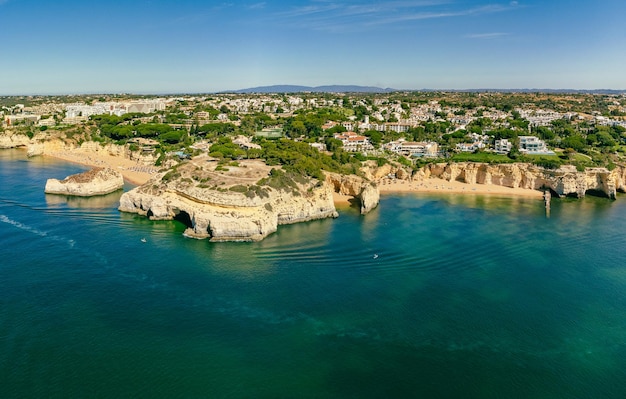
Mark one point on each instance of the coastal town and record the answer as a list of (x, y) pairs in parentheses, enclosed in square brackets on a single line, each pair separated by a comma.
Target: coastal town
[(415, 126), (313, 199)]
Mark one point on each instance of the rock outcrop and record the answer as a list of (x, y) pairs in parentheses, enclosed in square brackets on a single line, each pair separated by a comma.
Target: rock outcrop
[(373, 172), (565, 181), (11, 140), (245, 202), (365, 192), (97, 181), (52, 143)]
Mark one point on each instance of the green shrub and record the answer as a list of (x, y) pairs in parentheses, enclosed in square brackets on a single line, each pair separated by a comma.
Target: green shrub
[(548, 163), (239, 188), (160, 160), (171, 175)]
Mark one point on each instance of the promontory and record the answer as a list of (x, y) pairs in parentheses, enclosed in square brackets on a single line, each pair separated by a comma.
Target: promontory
[(237, 201)]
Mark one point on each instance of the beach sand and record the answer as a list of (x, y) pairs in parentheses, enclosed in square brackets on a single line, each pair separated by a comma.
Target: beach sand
[(139, 174), (341, 199), (132, 171), (440, 186)]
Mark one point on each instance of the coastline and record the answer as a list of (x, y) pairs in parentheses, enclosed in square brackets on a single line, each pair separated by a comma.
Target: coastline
[(441, 186), (138, 174), (132, 171)]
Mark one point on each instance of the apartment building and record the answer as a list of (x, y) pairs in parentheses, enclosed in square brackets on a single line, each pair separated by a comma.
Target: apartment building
[(503, 146), (533, 145), (354, 142), (413, 148)]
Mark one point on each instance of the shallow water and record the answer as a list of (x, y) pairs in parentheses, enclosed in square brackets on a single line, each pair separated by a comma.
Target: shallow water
[(469, 296)]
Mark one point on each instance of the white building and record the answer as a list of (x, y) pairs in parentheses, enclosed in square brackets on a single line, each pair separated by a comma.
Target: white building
[(470, 147), (114, 108), (533, 145), (413, 149), (354, 142), (319, 146), (47, 122), (397, 127), (503, 146), (479, 141)]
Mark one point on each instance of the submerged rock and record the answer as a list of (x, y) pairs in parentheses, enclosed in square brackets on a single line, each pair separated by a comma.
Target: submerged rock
[(97, 181)]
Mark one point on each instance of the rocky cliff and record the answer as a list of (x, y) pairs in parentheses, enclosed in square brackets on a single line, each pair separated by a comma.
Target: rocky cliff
[(241, 202), (44, 145), (565, 181), (53, 142), (97, 181), (11, 140), (362, 190)]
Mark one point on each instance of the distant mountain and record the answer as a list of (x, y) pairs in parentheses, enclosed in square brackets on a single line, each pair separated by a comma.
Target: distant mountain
[(373, 89), (316, 89)]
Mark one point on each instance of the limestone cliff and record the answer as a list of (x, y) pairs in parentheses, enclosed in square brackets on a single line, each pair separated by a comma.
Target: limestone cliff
[(54, 142), (44, 144), (373, 172), (365, 192), (11, 140), (565, 181), (244, 201), (97, 181)]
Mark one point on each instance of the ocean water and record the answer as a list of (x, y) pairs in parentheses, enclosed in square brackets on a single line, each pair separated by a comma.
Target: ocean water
[(468, 297)]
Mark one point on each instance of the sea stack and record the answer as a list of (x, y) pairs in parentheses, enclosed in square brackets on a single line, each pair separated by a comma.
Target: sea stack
[(97, 181)]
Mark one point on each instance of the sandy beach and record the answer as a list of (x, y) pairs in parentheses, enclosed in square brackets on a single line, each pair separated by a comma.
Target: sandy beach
[(139, 174), (132, 171), (440, 186)]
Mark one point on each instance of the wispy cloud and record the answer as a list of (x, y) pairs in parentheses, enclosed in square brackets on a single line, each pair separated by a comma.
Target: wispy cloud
[(333, 16), (257, 6), (491, 35)]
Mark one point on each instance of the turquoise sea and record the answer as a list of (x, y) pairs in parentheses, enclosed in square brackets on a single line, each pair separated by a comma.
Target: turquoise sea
[(469, 297)]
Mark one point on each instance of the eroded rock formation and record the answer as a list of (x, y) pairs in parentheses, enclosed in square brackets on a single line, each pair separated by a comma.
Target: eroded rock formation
[(97, 181), (244, 202), (363, 191), (10, 140), (565, 181)]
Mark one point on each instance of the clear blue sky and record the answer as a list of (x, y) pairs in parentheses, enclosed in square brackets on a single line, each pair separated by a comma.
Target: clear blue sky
[(144, 46)]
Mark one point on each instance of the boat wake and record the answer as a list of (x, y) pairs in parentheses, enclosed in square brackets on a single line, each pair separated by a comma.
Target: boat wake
[(35, 231), (7, 220)]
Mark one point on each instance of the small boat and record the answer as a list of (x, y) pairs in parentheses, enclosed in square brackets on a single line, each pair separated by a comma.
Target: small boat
[(144, 240), (375, 256)]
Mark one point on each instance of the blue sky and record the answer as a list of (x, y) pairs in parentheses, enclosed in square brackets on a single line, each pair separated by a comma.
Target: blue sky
[(153, 46)]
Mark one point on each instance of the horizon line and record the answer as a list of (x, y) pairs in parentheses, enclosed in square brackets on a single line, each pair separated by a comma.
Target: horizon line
[(236, 91)]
